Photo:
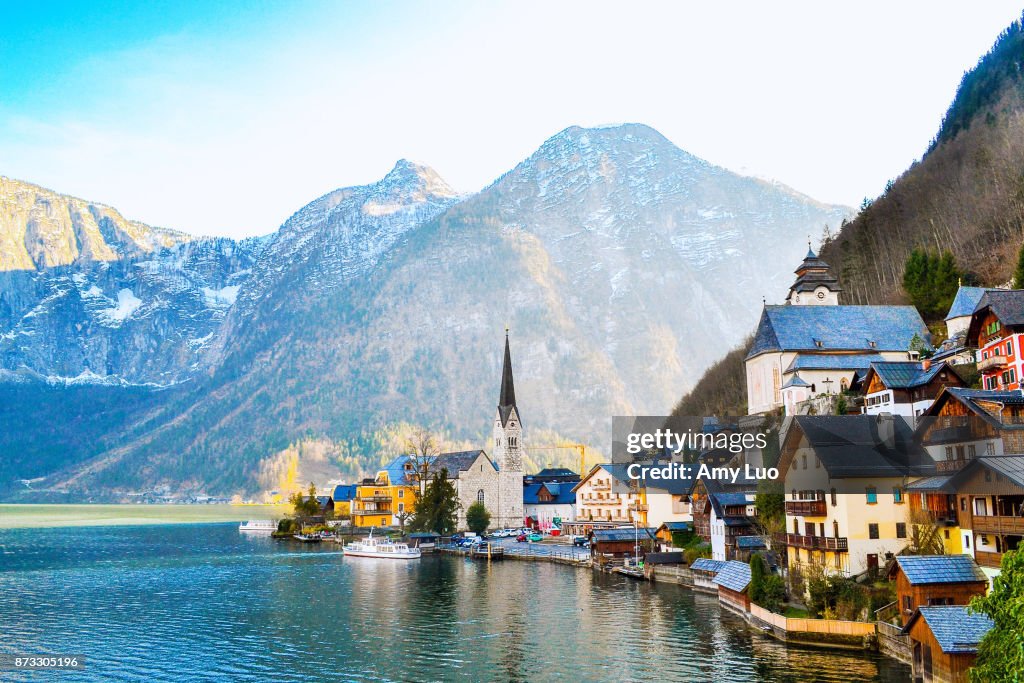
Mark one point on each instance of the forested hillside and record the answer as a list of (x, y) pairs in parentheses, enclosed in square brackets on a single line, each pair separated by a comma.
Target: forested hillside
[(966, 195)]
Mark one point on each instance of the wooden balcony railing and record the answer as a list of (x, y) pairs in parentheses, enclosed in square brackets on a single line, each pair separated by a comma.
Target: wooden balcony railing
[(806, 508), (817, 542), (992, 362), (996, 524), (985, 559)]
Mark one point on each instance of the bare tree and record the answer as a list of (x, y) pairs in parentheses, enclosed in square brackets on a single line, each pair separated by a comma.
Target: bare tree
[(422, 447)]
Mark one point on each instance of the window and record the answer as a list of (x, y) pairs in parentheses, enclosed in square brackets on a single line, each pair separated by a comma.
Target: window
[(990, 448), (835, 529), (963, 505), (401, 493), (897, 495), (833, 493), (401, 507), (907, 603), (871, 495), (873, 531), (949, 452), (480, 496), (804, 456), (967, 542), (972, 451), (512, 441), (901, 529), (817, 462)]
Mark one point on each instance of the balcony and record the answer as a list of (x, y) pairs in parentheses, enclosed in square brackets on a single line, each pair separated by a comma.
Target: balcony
[(817, 542), (991, 560), (374, 499), (993, 524), (950, 465), (639, 507), (993, 362), (805, 508), (601, 486)]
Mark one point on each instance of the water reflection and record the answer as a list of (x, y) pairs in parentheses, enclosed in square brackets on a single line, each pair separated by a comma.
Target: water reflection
[(205, 603)]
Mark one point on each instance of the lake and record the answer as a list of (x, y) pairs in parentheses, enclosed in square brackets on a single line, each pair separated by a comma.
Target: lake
[(201, 602)]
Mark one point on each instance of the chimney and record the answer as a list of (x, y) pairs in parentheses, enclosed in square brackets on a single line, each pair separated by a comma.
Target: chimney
[(926, 364)]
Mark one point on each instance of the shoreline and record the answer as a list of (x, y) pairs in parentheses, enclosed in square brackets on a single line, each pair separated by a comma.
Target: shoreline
[(56, 515)]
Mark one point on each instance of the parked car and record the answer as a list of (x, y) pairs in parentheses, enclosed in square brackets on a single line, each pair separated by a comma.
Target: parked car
[(521, 538), (581, 541), (534, 537)]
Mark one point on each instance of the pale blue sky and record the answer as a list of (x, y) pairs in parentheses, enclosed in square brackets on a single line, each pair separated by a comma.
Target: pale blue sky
[(223, 118)]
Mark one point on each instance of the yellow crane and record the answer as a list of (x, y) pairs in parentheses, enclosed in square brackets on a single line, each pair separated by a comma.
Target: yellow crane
[(582, 448)]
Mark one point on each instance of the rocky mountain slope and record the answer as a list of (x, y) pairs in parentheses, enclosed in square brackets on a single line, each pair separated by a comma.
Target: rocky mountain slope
[(88, 296), (621, 263)]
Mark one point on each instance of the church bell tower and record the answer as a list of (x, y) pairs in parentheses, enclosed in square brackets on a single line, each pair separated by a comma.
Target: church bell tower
[(508, 448)]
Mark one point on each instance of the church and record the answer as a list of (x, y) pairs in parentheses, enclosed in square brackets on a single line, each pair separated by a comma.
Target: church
[(496, 481), (813, 345)]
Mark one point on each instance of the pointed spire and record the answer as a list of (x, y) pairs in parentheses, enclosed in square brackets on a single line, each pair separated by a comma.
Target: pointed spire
[(508, 391)]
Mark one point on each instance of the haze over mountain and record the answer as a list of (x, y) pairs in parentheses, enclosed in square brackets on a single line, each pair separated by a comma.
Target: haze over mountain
[(622, 264)]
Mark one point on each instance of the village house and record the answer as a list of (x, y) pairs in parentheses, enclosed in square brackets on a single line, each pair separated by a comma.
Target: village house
[(954, 349), (722, 515), (668, 532), (634, 541), (977, 438), (378, 502), (733, 579), (935, 580), (813, 346), (845, 481), (343, 496), (996, 330), (944, 642), (905, 388), (608, 494), (547, 503)]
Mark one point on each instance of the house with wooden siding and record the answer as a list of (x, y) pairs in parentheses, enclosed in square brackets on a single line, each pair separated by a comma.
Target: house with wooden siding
[(944, 642), (733, 579), (929, 580), (704, 570), (905, 388)]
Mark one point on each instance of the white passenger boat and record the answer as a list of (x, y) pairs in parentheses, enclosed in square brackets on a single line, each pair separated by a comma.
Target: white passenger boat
[(263, 526), (381, 547)]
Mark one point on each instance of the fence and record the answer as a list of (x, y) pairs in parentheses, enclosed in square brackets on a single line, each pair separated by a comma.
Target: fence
[(833, 627)]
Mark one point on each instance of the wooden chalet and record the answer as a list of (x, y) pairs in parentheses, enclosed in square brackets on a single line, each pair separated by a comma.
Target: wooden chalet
[(931, 580), (944, 642)]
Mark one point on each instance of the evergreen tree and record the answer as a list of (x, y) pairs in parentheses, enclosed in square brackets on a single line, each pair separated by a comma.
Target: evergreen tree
[(478, 518), (1001, 653), (931, 281), (437, 509)]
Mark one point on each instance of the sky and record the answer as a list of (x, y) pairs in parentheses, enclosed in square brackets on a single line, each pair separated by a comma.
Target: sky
[(225, 118)]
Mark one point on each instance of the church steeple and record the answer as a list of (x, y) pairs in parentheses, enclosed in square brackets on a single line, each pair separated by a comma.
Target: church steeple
[(815, 283), (507, 398)]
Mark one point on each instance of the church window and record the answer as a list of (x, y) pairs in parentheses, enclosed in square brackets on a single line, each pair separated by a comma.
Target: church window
[(512, 441), (480, 496)]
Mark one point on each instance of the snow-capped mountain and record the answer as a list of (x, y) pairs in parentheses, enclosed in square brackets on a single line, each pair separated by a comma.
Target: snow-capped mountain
[(88, 296), (622, 264)]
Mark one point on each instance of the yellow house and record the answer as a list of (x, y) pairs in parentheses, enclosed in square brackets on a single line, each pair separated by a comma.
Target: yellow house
[(380, 501), (846, 502)]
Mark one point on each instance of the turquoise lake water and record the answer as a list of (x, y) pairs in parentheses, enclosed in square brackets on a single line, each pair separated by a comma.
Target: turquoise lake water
[(202, 602)]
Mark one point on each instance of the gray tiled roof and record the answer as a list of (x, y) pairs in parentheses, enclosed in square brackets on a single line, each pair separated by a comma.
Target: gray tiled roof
[(922, 569), (856, 446), (1010, 466), (832, 361), (906, 374), (706, 564), (957, 629), (750, 542), (942, 483), (966, 301), (734, 575), (837, 328), (1007, 304), (630, 534)]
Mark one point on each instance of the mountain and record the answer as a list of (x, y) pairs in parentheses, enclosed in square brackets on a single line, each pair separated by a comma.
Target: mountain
[(966, 195), (88, 296), (621, 263)]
